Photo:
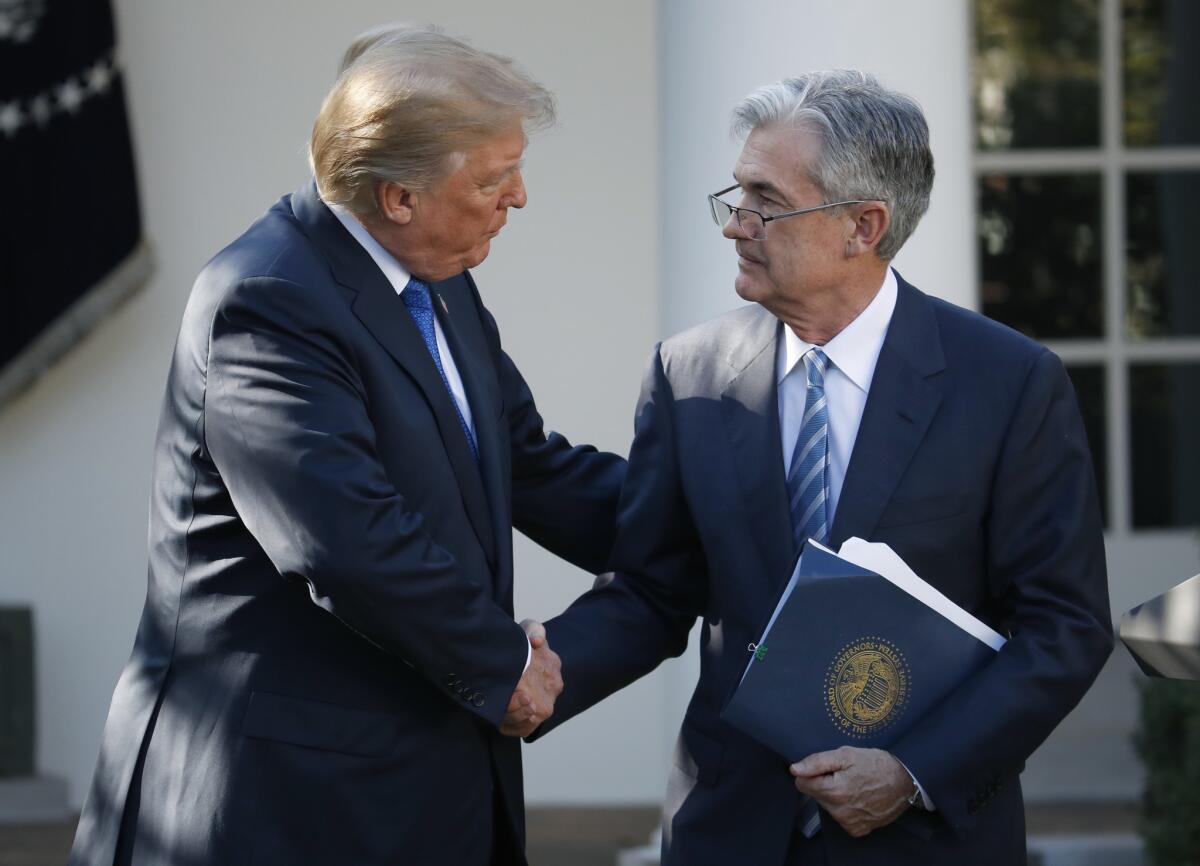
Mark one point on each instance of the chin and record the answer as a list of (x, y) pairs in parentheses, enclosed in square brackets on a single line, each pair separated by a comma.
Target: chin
[(746, 289), (475, 258)]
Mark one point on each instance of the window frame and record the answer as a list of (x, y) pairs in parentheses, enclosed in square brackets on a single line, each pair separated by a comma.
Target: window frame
[(1115, 352)]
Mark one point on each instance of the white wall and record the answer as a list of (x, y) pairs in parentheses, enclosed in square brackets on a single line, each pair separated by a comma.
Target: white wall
[(222, 95)]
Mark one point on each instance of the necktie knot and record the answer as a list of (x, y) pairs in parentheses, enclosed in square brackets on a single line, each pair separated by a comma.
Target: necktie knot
[(815, 364), (416, 295)]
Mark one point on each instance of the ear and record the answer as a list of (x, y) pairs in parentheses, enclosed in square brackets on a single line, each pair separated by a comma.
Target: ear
[(397, 204), (871, 221)]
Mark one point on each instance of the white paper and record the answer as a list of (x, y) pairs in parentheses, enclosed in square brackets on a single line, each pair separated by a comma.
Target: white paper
[(878, 557)]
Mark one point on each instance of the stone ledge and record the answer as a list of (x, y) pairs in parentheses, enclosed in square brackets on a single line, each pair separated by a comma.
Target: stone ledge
[(1093, 849), (34, 800)]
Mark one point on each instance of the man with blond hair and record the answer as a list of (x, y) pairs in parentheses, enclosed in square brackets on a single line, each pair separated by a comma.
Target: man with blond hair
[(844, 402), (327, 669)]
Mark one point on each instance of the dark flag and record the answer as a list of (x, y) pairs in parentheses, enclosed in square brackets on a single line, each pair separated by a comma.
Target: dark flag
[(72, 239)]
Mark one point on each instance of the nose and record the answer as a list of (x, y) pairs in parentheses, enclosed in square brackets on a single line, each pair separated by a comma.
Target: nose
[(733, 228), (515, 195)]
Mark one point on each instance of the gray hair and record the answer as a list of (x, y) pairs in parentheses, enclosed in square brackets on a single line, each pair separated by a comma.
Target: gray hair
[(874, 141), (407, 103)]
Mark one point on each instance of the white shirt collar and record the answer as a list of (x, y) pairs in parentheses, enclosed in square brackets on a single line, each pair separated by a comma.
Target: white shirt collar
[(855, 350), (392, 269)]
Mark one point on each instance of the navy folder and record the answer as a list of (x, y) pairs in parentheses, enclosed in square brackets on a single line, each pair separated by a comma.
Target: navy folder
[(850, 659)]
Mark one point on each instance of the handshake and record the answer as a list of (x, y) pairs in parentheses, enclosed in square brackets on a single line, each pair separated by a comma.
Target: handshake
[(533, 700)]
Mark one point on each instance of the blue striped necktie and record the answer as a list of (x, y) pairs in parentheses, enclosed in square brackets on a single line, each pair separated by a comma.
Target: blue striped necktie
[(420, 306), (808, 472), (808, 493)]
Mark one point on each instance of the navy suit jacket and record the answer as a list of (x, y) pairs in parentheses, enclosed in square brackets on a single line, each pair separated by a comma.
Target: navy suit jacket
[(327, 646), (970, 461)]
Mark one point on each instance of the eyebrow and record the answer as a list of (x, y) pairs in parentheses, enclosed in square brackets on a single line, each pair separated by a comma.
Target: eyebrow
[(509, 169), (762, 186)]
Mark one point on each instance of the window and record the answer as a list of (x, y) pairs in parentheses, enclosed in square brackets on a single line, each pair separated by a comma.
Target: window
[(1087, 134)]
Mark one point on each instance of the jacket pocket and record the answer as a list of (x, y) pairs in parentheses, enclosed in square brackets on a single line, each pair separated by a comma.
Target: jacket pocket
[(316, 725)]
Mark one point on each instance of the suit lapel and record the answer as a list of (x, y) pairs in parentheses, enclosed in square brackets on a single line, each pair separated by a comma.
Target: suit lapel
[(469, 351), (751, 412), (384, 315), (899, 410)]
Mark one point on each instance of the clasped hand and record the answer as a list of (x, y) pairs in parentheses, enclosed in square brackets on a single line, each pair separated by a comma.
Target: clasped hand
[(533, 699), (861, 789)]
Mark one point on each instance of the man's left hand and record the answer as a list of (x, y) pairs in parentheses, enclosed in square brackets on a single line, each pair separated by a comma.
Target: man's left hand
[(861, 789)]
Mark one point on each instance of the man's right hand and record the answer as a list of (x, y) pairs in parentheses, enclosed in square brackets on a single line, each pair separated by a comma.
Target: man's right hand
[(533, 700)]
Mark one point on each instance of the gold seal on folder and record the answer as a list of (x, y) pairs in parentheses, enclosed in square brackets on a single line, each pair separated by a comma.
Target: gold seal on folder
[(866, 687)]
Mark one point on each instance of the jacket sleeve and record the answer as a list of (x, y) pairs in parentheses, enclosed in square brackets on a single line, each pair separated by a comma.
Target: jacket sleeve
[(1045, 571), (626, 626), (286, 424)]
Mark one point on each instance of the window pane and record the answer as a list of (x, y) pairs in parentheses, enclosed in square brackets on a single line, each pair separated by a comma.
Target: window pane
[(1037, 73), (1163, 299), (1162, 68), (1164, 420), (1089, 388), (1039, 247)]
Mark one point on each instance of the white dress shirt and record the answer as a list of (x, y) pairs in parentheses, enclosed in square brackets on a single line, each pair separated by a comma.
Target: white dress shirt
[(399, 277), (852, 356)]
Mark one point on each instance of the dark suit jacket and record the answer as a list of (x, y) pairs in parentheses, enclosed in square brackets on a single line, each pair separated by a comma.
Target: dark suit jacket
[(971, 462), (327, 646)]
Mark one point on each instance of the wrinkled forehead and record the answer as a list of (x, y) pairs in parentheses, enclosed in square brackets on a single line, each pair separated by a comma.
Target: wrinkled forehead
[(778, 158)]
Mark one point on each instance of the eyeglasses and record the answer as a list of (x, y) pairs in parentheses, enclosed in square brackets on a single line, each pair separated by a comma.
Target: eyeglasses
[(754, 224)]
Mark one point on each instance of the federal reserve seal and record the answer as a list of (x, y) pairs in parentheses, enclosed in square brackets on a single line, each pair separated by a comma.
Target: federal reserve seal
[(866, 687)]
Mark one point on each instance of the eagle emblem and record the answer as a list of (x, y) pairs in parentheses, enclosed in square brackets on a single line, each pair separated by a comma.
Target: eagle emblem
[(866, 687)]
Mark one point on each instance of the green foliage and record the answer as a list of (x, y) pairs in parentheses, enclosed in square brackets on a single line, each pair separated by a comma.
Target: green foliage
[(1169, 745)]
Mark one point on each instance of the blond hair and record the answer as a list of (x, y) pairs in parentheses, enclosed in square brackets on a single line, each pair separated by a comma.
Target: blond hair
[(408, 101)]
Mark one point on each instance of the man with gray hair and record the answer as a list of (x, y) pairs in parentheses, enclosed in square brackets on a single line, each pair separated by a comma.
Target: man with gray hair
[(327, 669), (842, 403)]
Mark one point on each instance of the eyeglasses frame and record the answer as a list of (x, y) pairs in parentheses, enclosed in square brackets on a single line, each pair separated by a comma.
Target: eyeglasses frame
[(714, 198)]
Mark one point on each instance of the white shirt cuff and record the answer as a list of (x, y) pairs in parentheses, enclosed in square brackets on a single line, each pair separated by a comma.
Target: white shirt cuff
[(929, 807), (529, 658)]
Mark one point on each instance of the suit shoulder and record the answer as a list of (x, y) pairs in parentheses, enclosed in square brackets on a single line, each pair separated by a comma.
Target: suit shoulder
[(273, 247), (968, 334), (992, 365), (272, 260), (697, 361), (708, 346), (272, 269)]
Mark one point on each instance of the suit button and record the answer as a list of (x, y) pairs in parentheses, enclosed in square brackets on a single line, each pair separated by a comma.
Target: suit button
[(450, 680), (477, 700), (459, 688)]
